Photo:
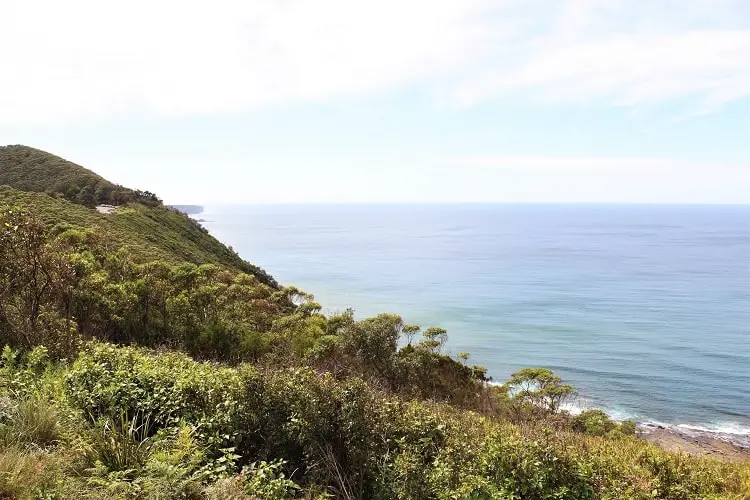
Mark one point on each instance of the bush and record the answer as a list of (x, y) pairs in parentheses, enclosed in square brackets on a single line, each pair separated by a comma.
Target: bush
[(533, 469), (300, 426), (628, 427), (327, 431), (593, 423), (266, 480), (597, 423), (106, 381)]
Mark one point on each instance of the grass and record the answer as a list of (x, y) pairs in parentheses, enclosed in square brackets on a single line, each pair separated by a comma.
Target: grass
[(35, 421), (30, 169), (119, 446), (27, 475)]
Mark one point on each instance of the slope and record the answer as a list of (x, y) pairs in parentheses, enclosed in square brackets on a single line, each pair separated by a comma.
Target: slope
[(57, 191), (30, 169)]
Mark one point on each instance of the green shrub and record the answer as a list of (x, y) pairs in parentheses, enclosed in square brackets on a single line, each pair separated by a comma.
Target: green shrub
[(628, 427), (523, 468), (267, 480), (353, 441), (597, 423), (326, 430), (106, 381), (21, 374), (593, 423)]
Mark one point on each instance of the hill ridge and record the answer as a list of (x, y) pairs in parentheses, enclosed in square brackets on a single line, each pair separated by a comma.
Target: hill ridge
[(61, 193)]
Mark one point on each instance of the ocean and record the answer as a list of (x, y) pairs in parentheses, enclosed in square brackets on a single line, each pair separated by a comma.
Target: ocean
[(645, 309)]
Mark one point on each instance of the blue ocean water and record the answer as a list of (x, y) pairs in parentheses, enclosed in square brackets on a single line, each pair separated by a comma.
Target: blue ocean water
[(646, 309)]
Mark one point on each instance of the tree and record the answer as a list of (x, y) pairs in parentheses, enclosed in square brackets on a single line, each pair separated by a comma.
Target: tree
[(540, 388), (86, 196), (434, 338), (373, 343), (410, 331), (35, 279)]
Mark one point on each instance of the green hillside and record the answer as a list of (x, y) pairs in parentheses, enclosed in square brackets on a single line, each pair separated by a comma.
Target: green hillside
[(33, 170), (54, 189)]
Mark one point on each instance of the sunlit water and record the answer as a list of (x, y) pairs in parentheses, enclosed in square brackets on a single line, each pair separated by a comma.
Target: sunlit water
[(646, 309)]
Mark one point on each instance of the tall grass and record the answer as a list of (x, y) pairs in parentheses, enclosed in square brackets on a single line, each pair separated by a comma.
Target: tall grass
[(33, 421), (121, 445), (36, 422), (27, 475)]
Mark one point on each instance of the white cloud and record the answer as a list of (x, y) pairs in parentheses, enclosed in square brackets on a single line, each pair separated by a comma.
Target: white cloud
[(79, 59), (64, 60), (628, 71), (629, 53)]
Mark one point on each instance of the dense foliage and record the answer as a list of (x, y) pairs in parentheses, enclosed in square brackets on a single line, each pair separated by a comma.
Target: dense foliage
[(30, 169), (146, 233), (142, 361), (124, 422), (59, 290)]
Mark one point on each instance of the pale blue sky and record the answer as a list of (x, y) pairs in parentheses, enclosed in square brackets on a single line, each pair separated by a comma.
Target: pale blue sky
[(389, 101)]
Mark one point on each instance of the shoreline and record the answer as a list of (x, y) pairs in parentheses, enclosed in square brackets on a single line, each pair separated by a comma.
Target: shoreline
[(692, 439), (727, 442), (694, 442)]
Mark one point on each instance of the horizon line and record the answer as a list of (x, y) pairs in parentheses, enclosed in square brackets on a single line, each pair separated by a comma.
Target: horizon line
[(465, 203)]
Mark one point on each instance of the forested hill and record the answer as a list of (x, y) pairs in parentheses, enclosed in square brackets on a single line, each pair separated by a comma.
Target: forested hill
[(62, 193), (30, 169)]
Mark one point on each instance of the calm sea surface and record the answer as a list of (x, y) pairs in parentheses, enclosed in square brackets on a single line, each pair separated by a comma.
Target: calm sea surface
[(646, 309)]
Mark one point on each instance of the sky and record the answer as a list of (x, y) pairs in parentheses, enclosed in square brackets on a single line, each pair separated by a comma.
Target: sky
[(408, 101)]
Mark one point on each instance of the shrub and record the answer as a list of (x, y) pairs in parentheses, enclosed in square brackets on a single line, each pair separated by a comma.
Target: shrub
[(106, 381), (628, 427), (523, 468), (326, 430), (21, 374), (267, 480), (349, 439), (593, 423)]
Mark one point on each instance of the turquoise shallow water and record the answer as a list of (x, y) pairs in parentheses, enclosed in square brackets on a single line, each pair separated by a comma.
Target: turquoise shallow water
[(646, 309)]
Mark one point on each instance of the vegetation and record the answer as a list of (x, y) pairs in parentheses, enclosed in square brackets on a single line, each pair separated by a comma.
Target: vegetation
[(146, 233), (30, 169), (138, 423), (133, 371), (58, 193), (58, 291)]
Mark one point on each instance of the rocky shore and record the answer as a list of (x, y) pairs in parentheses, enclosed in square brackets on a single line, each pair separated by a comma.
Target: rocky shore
[(694, 442)]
